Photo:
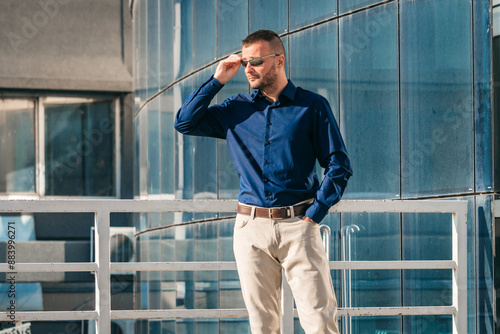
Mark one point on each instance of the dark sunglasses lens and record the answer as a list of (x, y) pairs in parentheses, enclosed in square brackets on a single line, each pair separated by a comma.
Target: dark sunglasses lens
[(256, 61)]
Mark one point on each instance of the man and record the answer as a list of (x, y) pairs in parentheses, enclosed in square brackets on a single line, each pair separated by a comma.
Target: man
[(274, 137)]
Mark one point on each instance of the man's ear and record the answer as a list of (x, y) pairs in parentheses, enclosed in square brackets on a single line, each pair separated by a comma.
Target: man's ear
[(281, 60)]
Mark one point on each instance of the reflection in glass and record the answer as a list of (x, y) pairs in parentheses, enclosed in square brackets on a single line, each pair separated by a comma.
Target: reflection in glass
[(436, 98), (183, 38), (154, 184), (348, 5), (167, 142), (166, 43), (426, 237), (79, 147), (183, 148), (436, 324), (316, 70), (232, 25), (265, 14), (17, 147), (370, 237), (153, 45), (369, 101), (204, 44), (303, 12)]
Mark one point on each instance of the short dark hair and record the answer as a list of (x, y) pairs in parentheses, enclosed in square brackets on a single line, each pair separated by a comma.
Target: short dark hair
[(268, 36)]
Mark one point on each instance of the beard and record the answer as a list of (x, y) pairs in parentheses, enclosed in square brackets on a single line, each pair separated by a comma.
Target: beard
[(266, 81)]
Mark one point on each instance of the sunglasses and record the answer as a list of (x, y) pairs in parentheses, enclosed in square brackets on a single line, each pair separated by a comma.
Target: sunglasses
[(257, 60)]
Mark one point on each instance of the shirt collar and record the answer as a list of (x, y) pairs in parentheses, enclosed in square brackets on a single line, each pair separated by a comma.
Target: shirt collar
[(288, 92)]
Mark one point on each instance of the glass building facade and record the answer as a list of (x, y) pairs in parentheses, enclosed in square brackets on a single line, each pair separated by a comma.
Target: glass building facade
[(410, 83)]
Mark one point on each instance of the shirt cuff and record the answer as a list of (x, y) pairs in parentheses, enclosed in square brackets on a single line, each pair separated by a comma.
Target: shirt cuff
[(317, 211), (215, 82)]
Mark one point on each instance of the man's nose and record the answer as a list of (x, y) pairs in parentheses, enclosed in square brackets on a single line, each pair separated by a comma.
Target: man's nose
[(249, 68)]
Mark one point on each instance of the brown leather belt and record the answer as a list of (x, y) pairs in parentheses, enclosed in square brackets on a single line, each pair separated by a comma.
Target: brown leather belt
[(274, 213)]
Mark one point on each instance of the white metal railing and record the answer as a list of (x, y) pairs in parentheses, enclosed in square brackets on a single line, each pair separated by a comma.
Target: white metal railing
[(103, 267)]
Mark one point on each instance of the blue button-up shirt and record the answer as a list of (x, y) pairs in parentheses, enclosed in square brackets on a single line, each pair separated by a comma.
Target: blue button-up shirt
[(274, 146)]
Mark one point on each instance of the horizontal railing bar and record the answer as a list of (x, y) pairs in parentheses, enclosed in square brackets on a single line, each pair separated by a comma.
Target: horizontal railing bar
[(51, 315), (49, 267), (180, 314), (387, 265), (122, 205), (173, 266), (334, 265), (219, 313), (394, 311), (215, 265), (399, 206)]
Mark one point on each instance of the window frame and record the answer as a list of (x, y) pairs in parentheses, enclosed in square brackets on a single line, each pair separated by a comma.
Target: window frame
[(39, 145)]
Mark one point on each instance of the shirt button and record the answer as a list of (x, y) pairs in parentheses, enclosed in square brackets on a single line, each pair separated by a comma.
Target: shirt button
[(268, 198), (269, 123), (268, 142), (266, 180), (267, 162)]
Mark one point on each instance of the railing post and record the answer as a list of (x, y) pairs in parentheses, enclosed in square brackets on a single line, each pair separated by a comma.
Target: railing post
[(102, 277), (459, 245)]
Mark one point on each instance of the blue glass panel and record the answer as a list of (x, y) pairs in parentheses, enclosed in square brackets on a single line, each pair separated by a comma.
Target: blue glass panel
[(206, 282), (137, 53), (166, 35), (142, 55), (427, 236), (79, 147), (486, 272), (271, 15), (369, 102), (204, 46), (17, 145), (482, 94), (167, 142), (154, 184), (232, 25), (349, 5), (371, 237), (184, 252), (431, 324), (302, 12), (168, 255), (436, 98), (183, 148), (137, 140), (376, 325), (183, 38), (143, 150), (316, 70), (234, 325), (153, 45)]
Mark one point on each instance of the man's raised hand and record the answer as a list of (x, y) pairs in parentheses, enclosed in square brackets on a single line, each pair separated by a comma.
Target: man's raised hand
[(227, 68)]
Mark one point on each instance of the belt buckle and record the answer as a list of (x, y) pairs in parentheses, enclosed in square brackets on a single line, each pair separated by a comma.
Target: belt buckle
[(271, 213)]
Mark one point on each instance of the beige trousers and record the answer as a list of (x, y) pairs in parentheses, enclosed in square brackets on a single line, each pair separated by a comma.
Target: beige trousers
[(262, 247)]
